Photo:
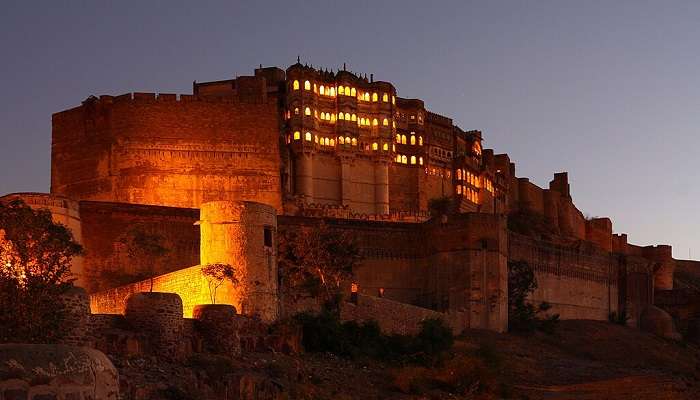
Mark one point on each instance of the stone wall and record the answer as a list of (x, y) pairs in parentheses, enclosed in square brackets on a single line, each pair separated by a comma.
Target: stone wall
[(167, 150), (114, 232), (398, 318)]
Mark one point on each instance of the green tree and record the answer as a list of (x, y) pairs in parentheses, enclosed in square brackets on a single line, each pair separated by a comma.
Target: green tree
[(315, 260), (216, 275), (35, 260), (523, 316)]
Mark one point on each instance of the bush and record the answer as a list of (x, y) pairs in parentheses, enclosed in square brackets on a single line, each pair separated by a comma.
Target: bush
[(326, 333)]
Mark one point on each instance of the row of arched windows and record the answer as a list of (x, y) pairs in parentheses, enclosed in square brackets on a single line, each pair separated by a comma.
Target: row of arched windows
[(471, 194), (404, 159), (343, 91), (403, 139), (472, 179)]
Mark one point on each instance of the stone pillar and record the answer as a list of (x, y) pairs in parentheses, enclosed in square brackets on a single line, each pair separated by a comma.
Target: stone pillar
[(242, 234), (305, 176), (219, 328), (381, 187), (346, 180), (159, 317)]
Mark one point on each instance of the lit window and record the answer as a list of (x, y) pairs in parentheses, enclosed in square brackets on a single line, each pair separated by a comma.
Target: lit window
[(315, 88), (340, 116), (413, 159), (459, 189), (413, 140), (332, 90), (341, 90), (307, 111), (347, 139), (315, 113), (398, 158), (459, 174), (375, 97), (307, 136), (385, 98), (366, 96), (347, 116), (295, 85), (332, 142), (307, 85), (352, 92), (297, 135), (393, 100), (333, 118), (420, 160), (404, 160), (354, 142), (375, 122), (375, 146), (393, 124), (393, 147), (296, 110), (420, 140), (341, 140), (385, 122), (398, 138), (321, 90), (327, 141), (403, 139), (385, 147)]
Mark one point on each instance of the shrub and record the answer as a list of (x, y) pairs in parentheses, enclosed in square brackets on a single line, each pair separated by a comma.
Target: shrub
[(523, 316)]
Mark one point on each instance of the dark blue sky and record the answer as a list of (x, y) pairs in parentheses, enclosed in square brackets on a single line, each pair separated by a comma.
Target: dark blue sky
[(608, 91)]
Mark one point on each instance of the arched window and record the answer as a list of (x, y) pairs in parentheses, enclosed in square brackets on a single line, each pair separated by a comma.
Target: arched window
[(296, 110), (327, 141), (403, 139), (375, 122), (393, 147), (385, 98), (316, 139), (322, 90), (340, 116), (307, 85), (398, 138), (307, 111), (420, 160), (333, 118), (332, 142), (398, 158), (375, 146), (354, 117), (332, 90), (347, 139), (420, 140), (393, 100), (385, 147), (393, 124), (307, 136), (315, 113), (413, 140), (295, 85), (459, 174), (315, 88), (297, 135), (404, 160), (347, 116), (366, 96), (341, 140), (459, 189), (413, 160), (354, 142), (341, 90), (375, 97)]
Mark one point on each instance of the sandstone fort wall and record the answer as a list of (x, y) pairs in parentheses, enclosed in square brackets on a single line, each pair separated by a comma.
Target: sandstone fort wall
[(167, 150)]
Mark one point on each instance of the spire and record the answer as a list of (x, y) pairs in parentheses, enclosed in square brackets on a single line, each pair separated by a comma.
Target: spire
[(343, 66), (298, 59)]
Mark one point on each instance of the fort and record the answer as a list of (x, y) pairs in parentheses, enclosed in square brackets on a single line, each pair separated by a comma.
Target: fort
[(218, 174)]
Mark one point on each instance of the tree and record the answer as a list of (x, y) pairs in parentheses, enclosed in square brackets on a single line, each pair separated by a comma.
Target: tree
[(217, 274), (35, 260), (315, 260), (145, 248), (523, 316)]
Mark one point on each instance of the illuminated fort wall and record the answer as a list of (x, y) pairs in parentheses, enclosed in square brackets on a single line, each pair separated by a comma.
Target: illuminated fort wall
[(167, 150)]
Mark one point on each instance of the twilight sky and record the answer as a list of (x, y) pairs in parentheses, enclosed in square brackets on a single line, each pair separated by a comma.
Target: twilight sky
[(609, 91)]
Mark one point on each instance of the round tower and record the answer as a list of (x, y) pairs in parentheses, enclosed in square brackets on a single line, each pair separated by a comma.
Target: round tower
[(242, 234)]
